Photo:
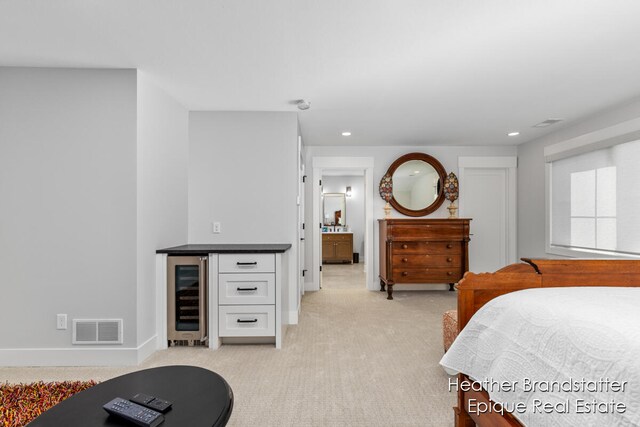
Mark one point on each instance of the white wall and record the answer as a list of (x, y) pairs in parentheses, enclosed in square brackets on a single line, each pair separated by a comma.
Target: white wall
[(383, 157), (355, 205), (242, 173), (68, 203), (531, 175), (162, 181)]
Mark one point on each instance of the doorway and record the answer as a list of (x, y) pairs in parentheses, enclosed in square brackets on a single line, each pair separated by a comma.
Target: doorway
[(343, 228), (336, 166)]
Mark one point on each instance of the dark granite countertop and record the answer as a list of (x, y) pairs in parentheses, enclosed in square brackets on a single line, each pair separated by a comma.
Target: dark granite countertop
[(265, 248)]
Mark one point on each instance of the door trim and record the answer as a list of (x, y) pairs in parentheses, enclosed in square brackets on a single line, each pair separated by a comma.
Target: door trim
[(509, 164)]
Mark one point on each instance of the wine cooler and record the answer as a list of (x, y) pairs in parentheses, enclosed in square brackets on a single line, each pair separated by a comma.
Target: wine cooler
[(187, 300)]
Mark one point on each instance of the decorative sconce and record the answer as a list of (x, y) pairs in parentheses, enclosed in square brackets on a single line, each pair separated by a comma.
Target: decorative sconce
[(386, 192), (348, 192), (451, 191)]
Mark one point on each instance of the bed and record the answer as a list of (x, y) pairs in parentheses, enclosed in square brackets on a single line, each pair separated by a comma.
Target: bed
[(569, 327)]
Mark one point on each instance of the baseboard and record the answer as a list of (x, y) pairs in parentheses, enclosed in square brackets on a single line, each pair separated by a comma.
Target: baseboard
[(147, 348), (309, 287), (290, 317), (77, 356)]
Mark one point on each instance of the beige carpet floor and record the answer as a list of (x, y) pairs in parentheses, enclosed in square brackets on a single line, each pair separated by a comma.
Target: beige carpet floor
[(354, 359)]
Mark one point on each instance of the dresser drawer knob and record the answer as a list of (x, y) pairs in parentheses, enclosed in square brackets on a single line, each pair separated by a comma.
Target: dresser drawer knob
[(405, 260), (449, 246), (449, 259), (404, 246), (449, 273), (404, 273)]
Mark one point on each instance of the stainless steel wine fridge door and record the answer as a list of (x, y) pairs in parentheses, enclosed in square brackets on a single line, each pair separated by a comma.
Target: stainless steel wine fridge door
[(187, 299)]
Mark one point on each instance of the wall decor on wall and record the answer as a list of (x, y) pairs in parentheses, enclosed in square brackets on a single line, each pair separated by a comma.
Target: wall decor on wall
[(451, 192), (386, 192), (417, 184)]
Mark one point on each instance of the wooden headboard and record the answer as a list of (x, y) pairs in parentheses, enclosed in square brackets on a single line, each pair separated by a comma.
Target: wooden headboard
[(475, 290)]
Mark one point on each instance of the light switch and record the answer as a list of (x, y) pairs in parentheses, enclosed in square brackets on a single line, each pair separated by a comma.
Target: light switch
[(61, 321)]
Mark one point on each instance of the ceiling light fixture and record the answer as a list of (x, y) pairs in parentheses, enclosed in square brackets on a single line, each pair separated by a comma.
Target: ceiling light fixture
[(303, 105), (513, 134), (346, 133)]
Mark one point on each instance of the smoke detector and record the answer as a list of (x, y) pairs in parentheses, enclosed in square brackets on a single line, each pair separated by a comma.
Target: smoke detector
[(303, 105)]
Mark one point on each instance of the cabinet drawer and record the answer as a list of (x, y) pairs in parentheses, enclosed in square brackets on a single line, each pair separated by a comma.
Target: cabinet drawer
[(423, 247), (246, 321), (427, 275), (247, 263), (337, 237), (427, 231), (252, 288), (427, 260)]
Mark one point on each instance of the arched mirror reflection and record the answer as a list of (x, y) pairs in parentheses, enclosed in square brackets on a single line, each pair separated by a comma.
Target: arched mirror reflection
[(417, 184)]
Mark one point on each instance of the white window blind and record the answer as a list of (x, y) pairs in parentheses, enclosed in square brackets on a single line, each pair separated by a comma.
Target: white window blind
[(595, 200)]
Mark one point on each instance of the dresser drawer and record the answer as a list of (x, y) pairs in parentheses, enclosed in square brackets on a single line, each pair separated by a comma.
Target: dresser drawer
[(247, 263), (427, 260), (246, 321), (428, 231), (252, 288), (434, 248), (427, 275)]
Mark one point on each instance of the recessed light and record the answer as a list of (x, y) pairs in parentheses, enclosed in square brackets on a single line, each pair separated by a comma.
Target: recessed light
[(513, 134), (346, 133), (416, 171)]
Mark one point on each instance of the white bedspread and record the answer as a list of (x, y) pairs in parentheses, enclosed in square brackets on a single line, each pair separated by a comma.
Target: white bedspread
[(574, 339)]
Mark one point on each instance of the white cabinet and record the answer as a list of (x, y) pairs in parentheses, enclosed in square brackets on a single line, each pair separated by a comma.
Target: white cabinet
[(246, 296)]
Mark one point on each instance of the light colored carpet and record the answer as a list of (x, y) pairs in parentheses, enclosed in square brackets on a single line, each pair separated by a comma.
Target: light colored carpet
[(355, 359)]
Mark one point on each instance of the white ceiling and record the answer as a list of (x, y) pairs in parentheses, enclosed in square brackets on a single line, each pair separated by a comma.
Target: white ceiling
[(393, 72)]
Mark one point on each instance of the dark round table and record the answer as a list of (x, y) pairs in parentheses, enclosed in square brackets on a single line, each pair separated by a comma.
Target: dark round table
[(201, 398)]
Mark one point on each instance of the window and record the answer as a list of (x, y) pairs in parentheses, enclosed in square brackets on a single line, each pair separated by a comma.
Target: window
[(595, 200)]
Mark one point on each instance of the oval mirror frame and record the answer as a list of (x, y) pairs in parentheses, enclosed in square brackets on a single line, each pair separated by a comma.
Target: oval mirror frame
[(441, 177)]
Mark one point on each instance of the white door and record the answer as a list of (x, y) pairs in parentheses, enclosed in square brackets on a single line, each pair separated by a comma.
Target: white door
[(301, 229), (487, 196), (301, 224)]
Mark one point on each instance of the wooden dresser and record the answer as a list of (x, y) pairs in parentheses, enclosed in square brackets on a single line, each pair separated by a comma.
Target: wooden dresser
[(423, 251), (337, 247)]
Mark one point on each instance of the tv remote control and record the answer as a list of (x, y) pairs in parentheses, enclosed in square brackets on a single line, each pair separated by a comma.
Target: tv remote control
[(133, 412), (152, 402)]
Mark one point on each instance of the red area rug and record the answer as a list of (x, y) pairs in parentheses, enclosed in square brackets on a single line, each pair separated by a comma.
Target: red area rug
[(21, 403)]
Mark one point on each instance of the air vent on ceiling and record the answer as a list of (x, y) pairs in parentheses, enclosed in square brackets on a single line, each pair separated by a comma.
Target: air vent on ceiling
[(97, 331), (547, 122)]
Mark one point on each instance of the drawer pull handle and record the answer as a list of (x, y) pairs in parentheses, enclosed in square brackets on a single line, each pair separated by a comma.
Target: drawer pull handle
[(404, 246), (449, 259), (247, 263), (449, 246), (247, 320), (248, 289), (449, 273), (404, 273), (405, 260)]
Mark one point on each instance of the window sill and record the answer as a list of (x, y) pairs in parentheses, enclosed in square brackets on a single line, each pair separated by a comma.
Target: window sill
[(587, 253)]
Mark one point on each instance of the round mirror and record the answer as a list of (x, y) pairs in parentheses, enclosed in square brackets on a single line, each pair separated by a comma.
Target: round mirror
[(417, 184)]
